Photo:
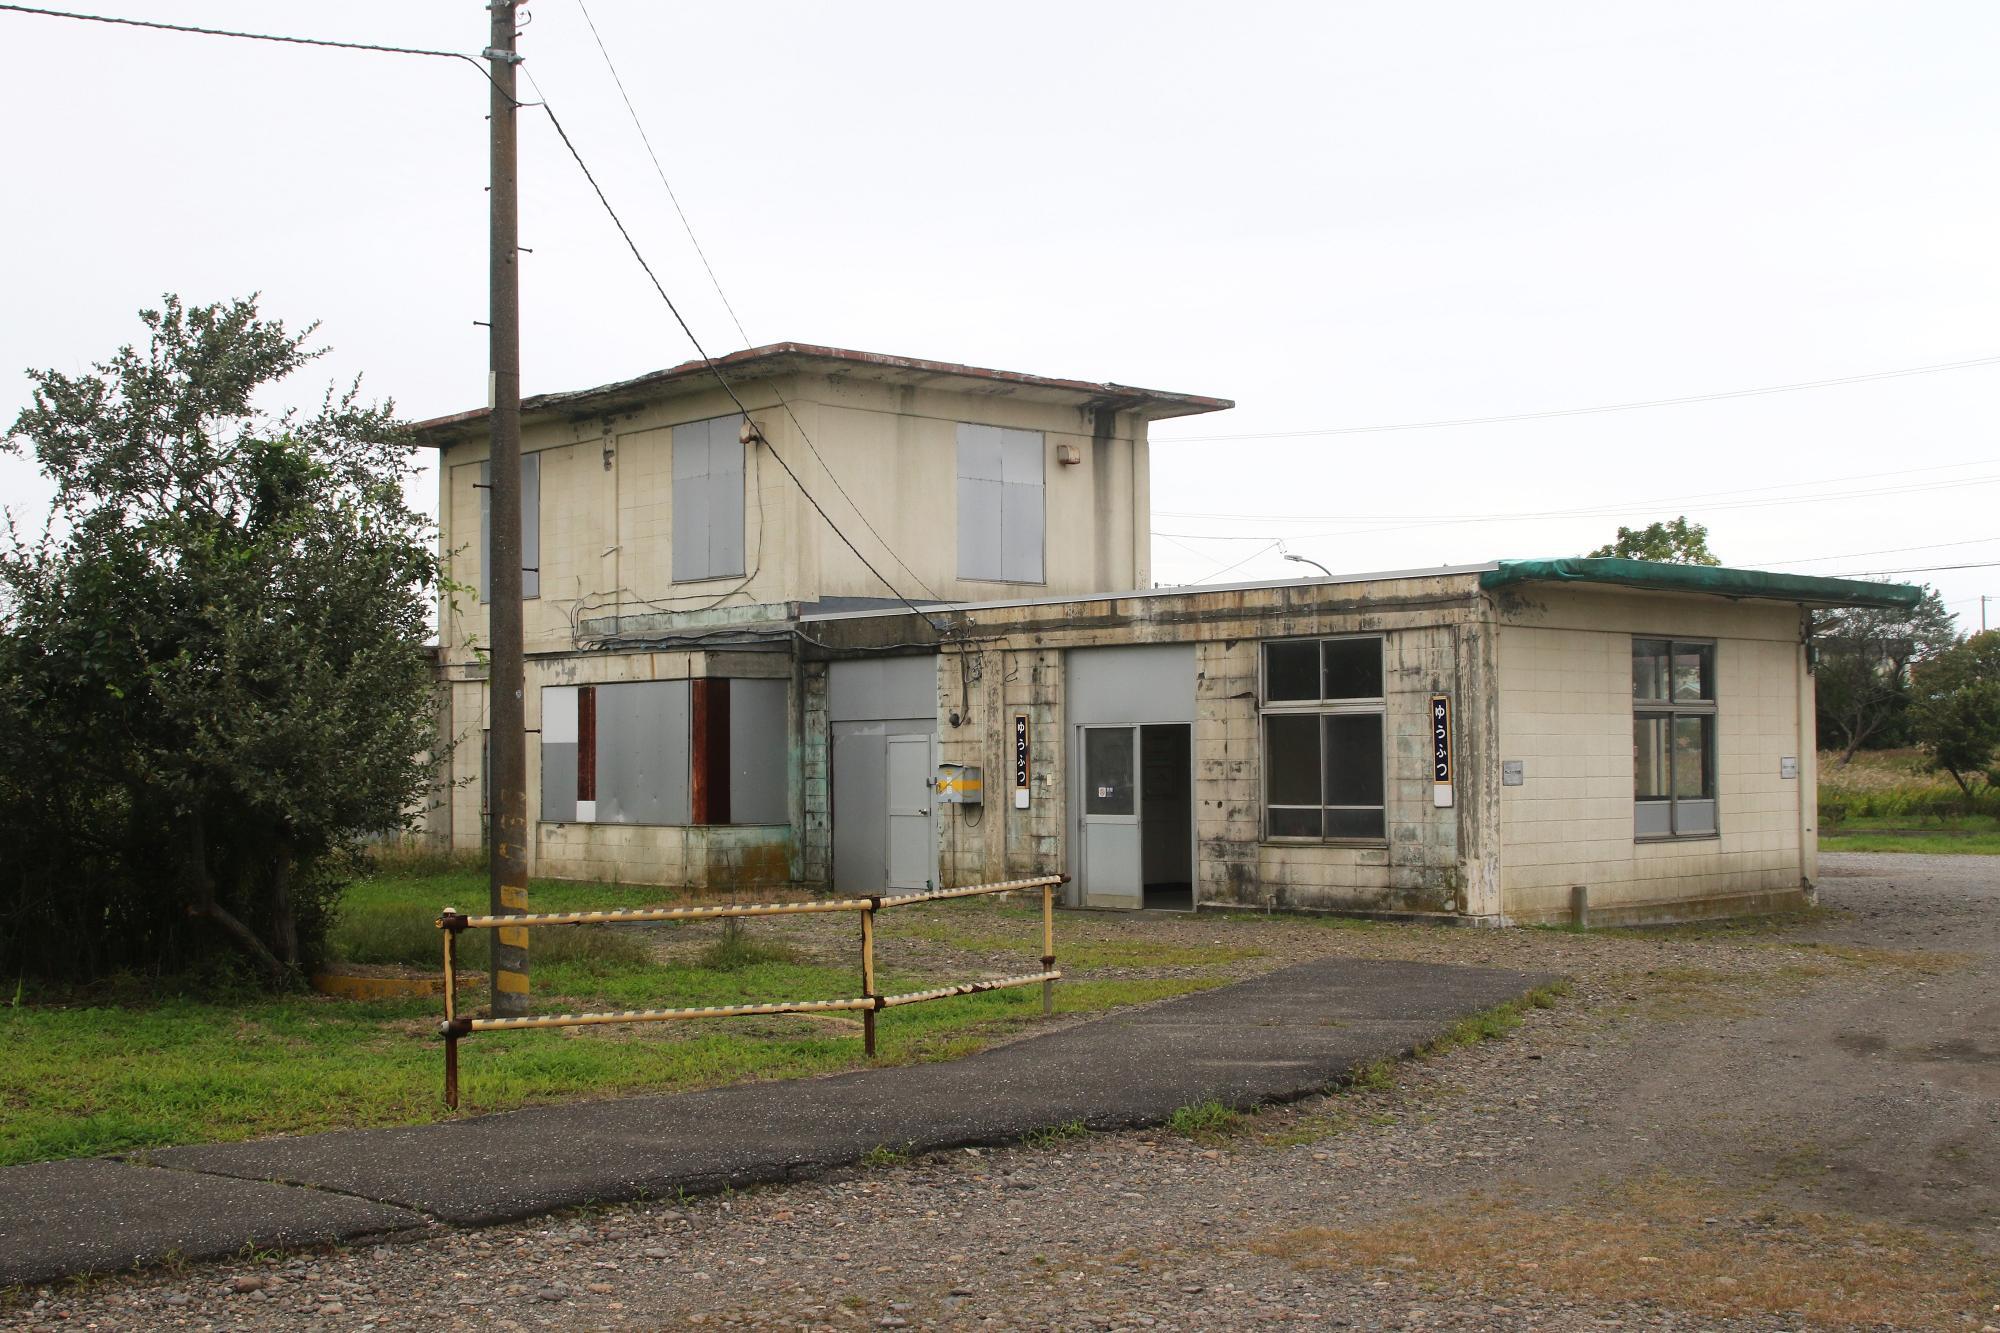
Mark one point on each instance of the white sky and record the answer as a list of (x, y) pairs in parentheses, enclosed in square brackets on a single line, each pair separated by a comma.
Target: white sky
[(1335, 214)]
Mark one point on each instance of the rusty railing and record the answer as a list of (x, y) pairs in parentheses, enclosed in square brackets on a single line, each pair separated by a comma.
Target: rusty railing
[(869, 1003)]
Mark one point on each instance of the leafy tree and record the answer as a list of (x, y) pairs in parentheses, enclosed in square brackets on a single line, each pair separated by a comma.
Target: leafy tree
[(1956, 709), (212, 674), (1863, 671), (1677, 543)]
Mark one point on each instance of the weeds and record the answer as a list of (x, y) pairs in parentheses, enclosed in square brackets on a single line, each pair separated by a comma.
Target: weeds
[(1052, 1136), (882, 1156), (1207, 1119)]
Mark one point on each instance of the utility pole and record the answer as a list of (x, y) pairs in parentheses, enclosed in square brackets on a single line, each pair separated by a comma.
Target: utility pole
[(508, 762), (1983, 600)]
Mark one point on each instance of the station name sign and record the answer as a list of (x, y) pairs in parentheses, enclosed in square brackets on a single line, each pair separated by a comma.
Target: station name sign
[(1441, 760)]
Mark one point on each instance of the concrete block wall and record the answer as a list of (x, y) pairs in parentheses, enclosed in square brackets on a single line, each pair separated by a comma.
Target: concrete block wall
[(815, 821), (1565, 712)]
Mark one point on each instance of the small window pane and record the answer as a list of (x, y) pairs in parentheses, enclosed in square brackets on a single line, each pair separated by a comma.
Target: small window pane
[(1694, 670), (1691, 756), (1354, 759), (1294, 823), (1354, 824), (1107, 771), (1653, 819), (1291, 759), (1291, 672), (1353, 668), (1649, 669), (1649, 758), (1694, 817)]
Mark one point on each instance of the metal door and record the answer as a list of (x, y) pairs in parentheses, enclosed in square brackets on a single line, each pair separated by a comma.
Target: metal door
[(1112, 874), (912, 846)]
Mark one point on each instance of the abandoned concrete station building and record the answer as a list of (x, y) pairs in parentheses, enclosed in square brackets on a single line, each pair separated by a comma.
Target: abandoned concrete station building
[(722, 694)]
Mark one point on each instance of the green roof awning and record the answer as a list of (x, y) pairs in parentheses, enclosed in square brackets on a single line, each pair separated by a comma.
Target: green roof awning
[(1715, 580)]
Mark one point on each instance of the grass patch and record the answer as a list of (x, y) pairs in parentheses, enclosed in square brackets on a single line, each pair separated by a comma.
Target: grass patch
[(881, 1156), (739, 948), (1938, 842), (131, 1065), (1671, 1243), (1208, 1119)]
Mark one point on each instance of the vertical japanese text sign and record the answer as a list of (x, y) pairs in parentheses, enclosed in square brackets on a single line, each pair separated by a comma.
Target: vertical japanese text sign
[(1020, 761), (1441, 775)]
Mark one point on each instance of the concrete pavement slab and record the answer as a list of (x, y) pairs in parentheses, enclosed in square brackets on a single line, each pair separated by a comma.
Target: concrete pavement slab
[(94, 1216), (1276, 1038)]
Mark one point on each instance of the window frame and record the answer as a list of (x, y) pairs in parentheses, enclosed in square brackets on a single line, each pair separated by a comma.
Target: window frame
[(1708, 712), (677, 572), (1321, 709)]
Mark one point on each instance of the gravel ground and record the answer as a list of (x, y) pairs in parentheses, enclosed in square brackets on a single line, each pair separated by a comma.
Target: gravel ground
[(1770, 1128)]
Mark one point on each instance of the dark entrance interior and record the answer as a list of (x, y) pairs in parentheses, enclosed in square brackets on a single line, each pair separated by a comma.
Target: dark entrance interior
[(1166, 826)]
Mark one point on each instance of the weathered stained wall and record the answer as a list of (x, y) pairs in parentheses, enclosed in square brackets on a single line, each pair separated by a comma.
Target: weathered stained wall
[(1565, 712), (1014, 662), (607, 505), (720, 857)]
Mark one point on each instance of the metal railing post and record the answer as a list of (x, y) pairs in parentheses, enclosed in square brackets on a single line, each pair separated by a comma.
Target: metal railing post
[(1048, 947), (868, 977)]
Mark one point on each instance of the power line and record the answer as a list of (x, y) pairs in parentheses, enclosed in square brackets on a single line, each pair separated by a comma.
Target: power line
[(247, 36), (1605, 511), (1919, 569), (1588, 411), (713, 370), (716, 282), (1592, 510), (1888, 550)]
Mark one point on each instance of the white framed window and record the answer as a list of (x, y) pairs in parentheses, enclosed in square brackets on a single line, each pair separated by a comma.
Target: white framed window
[(1000, 494), (1673, 738), (708, 500), (1324, 758)]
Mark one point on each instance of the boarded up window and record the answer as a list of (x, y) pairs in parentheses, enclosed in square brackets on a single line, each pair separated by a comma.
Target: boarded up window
[(999, 504), (704, 751), (531, 528), (708, 499)]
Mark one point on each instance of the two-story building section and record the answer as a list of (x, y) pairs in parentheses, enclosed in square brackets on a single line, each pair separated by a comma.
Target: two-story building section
[(670, 548)]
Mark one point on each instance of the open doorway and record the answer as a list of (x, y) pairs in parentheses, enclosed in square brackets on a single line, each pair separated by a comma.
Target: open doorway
[(1137, 815), (1166, 828)]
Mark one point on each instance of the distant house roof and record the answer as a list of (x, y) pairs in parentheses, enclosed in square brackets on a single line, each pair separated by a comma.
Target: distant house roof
[(1717, 580), (756, 363)]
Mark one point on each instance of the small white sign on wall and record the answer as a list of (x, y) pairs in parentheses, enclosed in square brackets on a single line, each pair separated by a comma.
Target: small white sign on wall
[(1513, 773), (1788, 767)]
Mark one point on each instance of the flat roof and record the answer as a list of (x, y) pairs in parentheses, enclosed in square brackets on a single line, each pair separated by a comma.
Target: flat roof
[(1715, 580), (753, 363), (1643, 575)]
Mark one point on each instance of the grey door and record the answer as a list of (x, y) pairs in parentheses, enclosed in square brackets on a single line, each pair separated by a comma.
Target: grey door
[(912, 848), (1112, 870)]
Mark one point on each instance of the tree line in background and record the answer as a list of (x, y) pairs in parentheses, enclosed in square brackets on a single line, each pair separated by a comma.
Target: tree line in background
[(1887, 679), (213, 679)]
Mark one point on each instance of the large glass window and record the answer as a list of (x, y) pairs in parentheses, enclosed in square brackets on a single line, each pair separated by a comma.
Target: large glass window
[(1323, 755), (1673, 738)]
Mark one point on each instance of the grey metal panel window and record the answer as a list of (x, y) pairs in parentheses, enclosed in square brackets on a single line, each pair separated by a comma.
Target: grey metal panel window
[(1001, 518), (1673, 739), (758, 753), (1325, 761), (708, 504), (1130, 683), (558, 753), (531, 528), (879, 688), (643, 753)]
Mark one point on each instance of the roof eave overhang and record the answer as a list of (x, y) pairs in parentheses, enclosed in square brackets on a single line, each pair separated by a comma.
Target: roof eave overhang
[(1707, 580), (779, 359)]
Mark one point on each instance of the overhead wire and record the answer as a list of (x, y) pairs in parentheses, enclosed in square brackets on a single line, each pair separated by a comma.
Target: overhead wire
[(715, 281), (1938, 368), (715, 371)]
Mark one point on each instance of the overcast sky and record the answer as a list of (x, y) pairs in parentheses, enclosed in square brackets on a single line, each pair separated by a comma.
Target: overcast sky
[(1338, 215)]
